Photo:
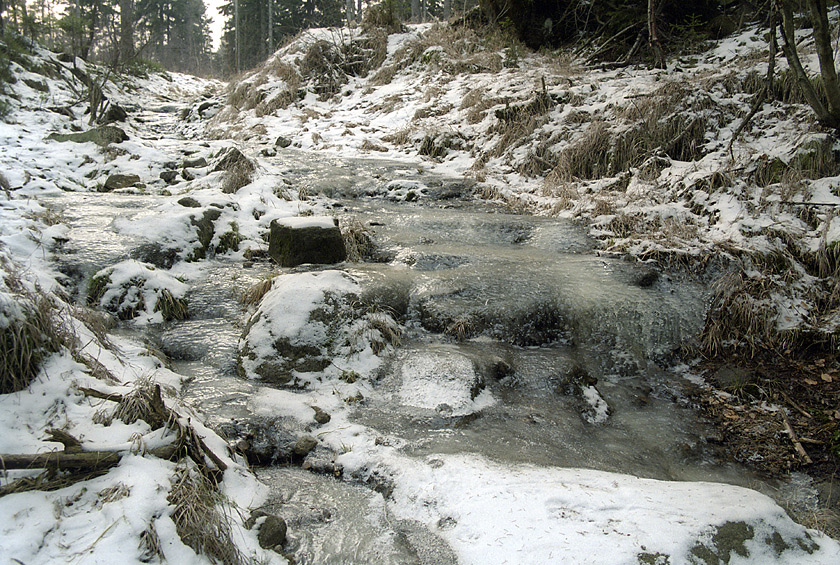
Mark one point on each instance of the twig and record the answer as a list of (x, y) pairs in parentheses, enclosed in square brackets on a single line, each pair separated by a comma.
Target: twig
[(799, 409), (795, 440)]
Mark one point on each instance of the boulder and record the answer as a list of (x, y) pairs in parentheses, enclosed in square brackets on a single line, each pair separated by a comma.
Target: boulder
[(118, 181), (196, 163), (206, 230), (304, 445), (320, 416), (232, 160), (101, 136), (294, 241), (272, 532), (189, 202), (283, 142), (442, 380), (115, 113), (169, 176)]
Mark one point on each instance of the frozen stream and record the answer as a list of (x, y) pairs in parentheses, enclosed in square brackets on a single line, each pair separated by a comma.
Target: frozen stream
[(575, 354), (575, 349)]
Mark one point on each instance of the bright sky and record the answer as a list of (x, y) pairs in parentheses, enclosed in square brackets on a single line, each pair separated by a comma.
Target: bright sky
[(217, 22)]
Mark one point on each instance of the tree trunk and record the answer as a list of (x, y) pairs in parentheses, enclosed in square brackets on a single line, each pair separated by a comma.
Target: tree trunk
[(415, 11), (653, 38), (792, 56), (825, 53), (126, 50), (447, 9), (349, 8)]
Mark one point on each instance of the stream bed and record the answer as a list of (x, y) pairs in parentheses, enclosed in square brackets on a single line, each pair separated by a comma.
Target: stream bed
[(575, 352)]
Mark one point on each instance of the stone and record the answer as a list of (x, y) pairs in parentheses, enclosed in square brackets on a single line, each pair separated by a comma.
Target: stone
[(118, 181), (206, 230), (268, 152), (196, 163), (101, 136), (115, 113), (154, 253), (296, 241), (304, 445), (187, 175), (272, 532), (169, 176), (283, 142), (189, 202), (320, 416), (646, 278), (233, 160)]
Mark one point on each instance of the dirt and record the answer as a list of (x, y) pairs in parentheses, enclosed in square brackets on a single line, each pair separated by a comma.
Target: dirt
[(755, 403)]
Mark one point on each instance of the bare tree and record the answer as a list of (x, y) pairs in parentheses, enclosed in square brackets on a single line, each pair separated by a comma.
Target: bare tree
[(827, 106), (653, 38)]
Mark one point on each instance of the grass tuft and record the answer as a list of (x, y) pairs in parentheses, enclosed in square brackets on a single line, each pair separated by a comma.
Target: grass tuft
[(198, 519)]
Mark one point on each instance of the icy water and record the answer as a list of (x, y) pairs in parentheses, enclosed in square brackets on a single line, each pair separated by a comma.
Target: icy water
[(526, 298)]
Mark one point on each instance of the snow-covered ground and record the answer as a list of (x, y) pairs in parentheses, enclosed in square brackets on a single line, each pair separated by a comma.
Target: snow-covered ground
[(443, 94)]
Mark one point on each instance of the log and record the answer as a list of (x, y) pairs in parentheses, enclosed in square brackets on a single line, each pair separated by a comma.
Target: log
[(78, 460)]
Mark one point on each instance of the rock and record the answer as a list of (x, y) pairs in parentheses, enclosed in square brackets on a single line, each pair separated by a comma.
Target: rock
[(114, 113), (204, 106), (118, 181), (154, 253), (734, 379), (320, 416), (263, 441), (295, 241), (187, 175), (272, 532), (196, 163), (304, 445), (189, 202), (268, 152), (169, 176), (101, 136), (170, 165), (646, 278), (206, 229), (442, 380), (283, 142), (233, 160)]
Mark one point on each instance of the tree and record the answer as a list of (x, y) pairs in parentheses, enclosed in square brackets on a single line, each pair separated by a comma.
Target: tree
[(827, 106), (126, 46)]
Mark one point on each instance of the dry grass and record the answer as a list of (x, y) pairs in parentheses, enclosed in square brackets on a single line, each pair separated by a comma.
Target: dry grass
[(357, 240), (150, 545), (254, 295), (588, 157), (198, 518), (379, 329), (24, 342)]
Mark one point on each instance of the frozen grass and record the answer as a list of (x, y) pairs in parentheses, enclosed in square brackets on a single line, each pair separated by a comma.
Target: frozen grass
[(199, 519)]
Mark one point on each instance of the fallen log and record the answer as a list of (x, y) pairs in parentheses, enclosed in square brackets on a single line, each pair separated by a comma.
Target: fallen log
[(76, 460)]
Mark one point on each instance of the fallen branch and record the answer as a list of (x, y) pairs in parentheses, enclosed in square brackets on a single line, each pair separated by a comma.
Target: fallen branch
[(795, 440)]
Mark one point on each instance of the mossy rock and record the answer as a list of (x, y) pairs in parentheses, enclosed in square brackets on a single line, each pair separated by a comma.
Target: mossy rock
[(102, 136), (293, 246)]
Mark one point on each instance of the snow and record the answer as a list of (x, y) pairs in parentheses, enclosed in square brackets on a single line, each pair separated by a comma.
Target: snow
[(491, 513), (488, 512), (299, 222)]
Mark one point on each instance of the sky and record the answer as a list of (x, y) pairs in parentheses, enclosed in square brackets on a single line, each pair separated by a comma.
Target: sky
[(218, 22)]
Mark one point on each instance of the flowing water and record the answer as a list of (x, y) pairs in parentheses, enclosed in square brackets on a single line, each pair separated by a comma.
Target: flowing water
[(579, 346)]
